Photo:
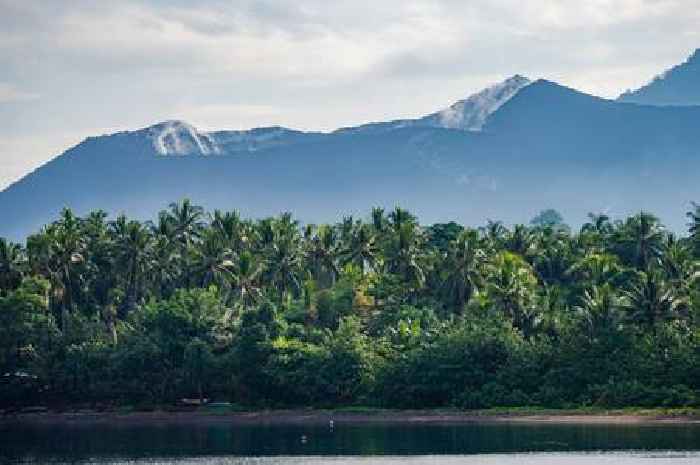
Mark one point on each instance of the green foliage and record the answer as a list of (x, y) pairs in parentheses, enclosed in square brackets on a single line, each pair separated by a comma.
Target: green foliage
[(382, 312), (549, 218)]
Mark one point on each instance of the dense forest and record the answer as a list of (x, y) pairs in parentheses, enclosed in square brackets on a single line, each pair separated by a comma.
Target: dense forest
[(380, 311)]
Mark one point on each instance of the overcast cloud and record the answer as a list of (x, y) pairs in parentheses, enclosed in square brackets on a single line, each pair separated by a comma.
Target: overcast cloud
[(73, 69)]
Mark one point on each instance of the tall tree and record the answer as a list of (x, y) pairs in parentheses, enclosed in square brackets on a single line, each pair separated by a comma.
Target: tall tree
[(464, 269), (640, 240), (12, 261), (652, 300), (134, 260), (510, 288)]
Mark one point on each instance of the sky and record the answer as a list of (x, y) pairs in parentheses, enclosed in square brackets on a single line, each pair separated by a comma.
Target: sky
[(73, 69)]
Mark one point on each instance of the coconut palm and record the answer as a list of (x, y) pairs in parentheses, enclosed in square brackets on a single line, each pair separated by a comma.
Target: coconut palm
[(187, 222), (283, 257), (232, 229), (101, 273), (679, 264), (600, 311), (134, 258), (520, 241), (652, 300), (510, 288), (404, 251), (12, 261), (595, 234), (595, 269), (494, 234), (361, 249), (554, 255), (378, 220), (58, 251), (246, 275), (694, 228), (464, 267), (400, 217), (321, 251), (213, 260), (640, 240)]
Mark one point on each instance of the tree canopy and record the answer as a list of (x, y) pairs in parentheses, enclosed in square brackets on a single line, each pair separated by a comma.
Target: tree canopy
[(378, 311)]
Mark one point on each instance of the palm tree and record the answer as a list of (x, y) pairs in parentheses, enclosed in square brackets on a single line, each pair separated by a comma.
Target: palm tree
[(599, 311), (345, 228), (403, 253), (246, 274), (231, 229), (134, 259), (264, 234), (213, 260), (679, 265), (510, 288), (164, 271), (652, 300), (640, 240), (520, 241), (494, 234), (554, 255), (321, 251), (101, 273), (400, 217), (57, 251), (594, 269), (12, 260), (464, 269), (694, 228), (361, 249), (595, 234), (284, 261), (186, 220), (378, 220), (187, 223)]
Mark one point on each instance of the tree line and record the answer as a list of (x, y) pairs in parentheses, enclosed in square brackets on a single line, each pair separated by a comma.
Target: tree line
[(379, 311)]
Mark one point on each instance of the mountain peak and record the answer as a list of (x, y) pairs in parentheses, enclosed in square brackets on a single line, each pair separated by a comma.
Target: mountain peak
[(471, 113), (675, 86), (176, 137)]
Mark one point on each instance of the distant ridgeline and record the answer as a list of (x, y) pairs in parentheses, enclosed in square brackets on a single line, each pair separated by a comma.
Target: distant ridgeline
[(373, 311), (499, 153)]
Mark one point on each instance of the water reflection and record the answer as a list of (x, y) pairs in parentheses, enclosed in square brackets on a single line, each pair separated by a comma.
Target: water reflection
[(218, 442)]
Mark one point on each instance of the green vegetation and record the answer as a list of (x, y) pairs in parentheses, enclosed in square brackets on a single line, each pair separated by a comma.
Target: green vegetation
[(382, 313)]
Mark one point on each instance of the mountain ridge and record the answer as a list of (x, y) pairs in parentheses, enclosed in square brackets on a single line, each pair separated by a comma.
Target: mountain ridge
[(678, 85), (525, 146)]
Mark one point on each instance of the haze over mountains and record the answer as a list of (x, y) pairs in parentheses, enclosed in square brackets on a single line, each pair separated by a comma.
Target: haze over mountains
[(504, 153)]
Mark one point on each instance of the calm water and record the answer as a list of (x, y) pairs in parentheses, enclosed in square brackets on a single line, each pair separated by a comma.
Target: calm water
[(351, 445)]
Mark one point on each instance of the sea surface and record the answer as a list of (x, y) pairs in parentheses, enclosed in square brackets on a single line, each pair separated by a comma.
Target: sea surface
[(220, 443)]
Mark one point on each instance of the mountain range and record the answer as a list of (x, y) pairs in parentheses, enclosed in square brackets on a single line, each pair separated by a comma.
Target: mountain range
[(504, 153)]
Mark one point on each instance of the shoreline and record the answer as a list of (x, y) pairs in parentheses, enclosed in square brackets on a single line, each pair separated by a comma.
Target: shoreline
[(359, 418)]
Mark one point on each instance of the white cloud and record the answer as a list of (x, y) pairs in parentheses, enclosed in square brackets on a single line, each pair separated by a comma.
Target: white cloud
[(11, 94)]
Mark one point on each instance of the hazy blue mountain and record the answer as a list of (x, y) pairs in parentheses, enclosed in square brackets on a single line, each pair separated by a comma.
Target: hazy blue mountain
[(679, 85), (542, 146)]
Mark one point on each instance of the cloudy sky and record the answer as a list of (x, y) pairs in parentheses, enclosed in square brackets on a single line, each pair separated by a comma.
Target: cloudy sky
[(71, 69)]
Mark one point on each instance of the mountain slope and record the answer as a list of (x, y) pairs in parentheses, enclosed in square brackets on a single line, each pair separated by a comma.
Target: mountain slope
[(679, 85), (472, 112), (469, 114), (544, 146)]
